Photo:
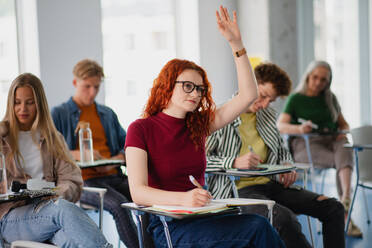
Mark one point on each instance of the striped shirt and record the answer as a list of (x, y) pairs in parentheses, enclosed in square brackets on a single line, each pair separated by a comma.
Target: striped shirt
[(223, 146)]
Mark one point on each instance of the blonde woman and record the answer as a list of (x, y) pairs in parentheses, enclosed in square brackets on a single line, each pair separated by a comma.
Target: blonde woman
[(34, 149)]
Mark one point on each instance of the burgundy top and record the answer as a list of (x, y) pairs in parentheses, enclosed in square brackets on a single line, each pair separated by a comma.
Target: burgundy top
[(172, 156)]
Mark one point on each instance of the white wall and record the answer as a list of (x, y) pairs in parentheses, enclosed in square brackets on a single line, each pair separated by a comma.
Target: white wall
[(215, 53), (187, 30), (68, 31), (370, 56), (254, 26)]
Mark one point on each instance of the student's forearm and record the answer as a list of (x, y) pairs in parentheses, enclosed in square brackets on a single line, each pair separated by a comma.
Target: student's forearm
[(239, 104), (148, 196), (284, 125), (247, 84), (287, 128)]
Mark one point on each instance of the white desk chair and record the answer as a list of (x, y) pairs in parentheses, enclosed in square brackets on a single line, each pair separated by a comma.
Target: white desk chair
[(363, 164), (311, 167), (306, 168), (101, 193), (310, 163), (270, 206)]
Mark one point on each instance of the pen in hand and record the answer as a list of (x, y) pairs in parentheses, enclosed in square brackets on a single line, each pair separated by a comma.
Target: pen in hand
[(250, 148), (194, 182), (302, 121)]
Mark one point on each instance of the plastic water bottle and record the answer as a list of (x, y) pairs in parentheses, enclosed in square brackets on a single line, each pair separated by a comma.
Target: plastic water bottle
[(3, 176), (85, 143)]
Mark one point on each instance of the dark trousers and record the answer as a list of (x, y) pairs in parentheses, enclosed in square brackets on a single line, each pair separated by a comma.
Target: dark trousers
[(117, 193), (291, 201), (221, 231)]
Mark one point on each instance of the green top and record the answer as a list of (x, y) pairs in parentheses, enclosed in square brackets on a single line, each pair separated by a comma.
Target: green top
[(313, 108)]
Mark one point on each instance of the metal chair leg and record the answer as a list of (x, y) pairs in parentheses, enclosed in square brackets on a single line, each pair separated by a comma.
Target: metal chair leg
[(311, 231), (355, 190), (324, 173), (235, 190), (366, 206), (166, 231), (137, 214), (308, 217), (101, 192)]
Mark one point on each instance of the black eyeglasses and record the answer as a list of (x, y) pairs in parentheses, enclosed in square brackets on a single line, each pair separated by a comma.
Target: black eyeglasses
[(188, 87)]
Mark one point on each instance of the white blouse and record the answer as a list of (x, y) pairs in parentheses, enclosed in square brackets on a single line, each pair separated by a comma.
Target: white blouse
[(32, 162)]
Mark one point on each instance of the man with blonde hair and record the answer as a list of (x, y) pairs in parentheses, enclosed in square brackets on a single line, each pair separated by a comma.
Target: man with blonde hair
[(108, 143)]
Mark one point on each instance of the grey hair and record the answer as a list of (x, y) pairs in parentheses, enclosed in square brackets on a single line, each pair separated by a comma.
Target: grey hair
[(329, 97)]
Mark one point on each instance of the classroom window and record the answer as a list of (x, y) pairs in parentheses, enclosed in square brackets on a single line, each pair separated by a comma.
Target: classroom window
[(337, 42), (139, 38), (8, 51)]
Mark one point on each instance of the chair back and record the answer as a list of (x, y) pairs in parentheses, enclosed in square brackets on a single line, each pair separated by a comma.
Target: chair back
[(363, 136)]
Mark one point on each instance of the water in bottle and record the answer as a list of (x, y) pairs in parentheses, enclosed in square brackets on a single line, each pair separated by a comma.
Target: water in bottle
[(85, 143), (3, 177)]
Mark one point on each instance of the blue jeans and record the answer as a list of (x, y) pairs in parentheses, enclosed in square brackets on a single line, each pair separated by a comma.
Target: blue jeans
[(59, 222), (221, 231)]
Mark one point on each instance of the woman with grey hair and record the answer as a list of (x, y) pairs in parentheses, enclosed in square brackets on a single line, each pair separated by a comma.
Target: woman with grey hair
[(314, 108)]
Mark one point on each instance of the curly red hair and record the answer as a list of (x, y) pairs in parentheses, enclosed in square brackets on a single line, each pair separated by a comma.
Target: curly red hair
[(198, 121)]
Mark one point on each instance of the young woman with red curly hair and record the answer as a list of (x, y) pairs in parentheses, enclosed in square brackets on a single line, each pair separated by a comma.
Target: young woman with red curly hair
[(168, 145)]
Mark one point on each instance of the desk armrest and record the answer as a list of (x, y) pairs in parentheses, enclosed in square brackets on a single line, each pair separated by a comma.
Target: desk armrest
[(302, 166), (100, 191)]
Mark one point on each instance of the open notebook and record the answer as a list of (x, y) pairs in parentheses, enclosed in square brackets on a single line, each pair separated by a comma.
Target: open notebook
[(213, 206), (263, 169)]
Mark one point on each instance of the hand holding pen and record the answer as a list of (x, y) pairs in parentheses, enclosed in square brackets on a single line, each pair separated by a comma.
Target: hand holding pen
[(306, 125), (197, 197), (247, 160)]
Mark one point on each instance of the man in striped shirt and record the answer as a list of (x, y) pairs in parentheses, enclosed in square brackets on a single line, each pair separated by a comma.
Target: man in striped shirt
[(253, 138)]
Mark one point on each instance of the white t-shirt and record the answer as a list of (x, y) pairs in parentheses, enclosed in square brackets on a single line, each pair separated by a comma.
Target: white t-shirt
[(32, 162)]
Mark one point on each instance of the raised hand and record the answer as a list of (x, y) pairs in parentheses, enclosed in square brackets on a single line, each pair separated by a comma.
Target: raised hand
[(227, 27)]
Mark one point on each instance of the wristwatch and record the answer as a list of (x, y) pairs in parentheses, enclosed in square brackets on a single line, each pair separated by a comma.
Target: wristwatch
[(240, 52)]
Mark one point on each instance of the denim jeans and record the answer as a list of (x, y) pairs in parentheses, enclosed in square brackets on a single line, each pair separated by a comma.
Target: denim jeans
[(291, 201), (60, 222), (221, 231), (117, 192)]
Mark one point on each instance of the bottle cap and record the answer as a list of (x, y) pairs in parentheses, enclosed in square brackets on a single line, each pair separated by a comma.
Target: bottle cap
[(81, 124)]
